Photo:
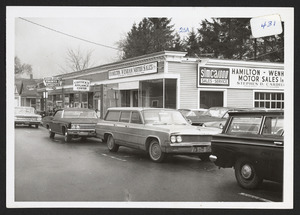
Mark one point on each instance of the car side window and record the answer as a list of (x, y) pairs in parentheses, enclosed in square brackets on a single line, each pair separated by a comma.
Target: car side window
[(125, 115), (135, 118), (58, 114), (273, 126), (113, 116)]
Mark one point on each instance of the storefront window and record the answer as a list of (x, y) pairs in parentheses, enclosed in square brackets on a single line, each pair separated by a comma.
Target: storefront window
[(76, 100), (269, 100), (151, 93), (170, 93), (66, 101), (111, 96), (84, 100), (211, 99)]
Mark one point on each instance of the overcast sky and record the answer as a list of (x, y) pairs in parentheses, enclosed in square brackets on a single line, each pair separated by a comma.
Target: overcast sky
[(46, 50)]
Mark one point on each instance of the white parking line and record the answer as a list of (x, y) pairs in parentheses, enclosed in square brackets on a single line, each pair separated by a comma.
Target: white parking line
[(113, 157), (255, 197)]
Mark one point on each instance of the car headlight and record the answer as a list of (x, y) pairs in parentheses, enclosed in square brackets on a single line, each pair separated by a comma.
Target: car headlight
[(173, 139), (179, 139)]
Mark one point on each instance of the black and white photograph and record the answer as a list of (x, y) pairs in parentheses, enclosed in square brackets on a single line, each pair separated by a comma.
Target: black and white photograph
[(150, 107)]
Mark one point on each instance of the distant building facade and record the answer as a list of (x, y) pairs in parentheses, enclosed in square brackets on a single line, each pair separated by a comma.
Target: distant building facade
[(169, 79), (26, 93)]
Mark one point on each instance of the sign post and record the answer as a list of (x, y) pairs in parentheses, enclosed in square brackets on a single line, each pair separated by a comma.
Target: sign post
[(50, 84)]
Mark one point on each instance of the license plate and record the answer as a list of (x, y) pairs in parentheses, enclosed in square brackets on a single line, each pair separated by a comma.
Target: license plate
[(201, 149), (83, 133)]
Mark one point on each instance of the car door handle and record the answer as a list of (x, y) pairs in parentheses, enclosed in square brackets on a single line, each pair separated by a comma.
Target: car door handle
[(277, 143)]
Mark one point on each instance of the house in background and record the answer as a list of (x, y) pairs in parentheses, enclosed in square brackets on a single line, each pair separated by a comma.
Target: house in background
[(26, 93)]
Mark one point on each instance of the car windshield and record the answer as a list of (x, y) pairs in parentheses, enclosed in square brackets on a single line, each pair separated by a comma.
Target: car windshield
[(80, 114), (217, 112), (191, 113), (24, 110), (164, 117)]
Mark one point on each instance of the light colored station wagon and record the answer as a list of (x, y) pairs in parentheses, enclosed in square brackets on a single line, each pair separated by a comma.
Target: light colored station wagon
[(154, 130)]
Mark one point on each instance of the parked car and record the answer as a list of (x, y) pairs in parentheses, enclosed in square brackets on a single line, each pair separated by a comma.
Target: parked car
[(193, 115), (72, 123), (251, 142), (155, 130), (216, 116), (27, 116)]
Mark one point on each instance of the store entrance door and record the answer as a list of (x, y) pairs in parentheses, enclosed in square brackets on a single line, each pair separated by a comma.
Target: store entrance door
[(211, 99), (129, 98)]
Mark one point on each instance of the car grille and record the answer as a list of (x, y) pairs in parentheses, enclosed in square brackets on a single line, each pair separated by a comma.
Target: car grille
[(196, 138), (87, 126), (27, 118)]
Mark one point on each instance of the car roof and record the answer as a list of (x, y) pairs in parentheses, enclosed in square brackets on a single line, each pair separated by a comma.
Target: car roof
[(256, 111), (76, 109), (138, 108)]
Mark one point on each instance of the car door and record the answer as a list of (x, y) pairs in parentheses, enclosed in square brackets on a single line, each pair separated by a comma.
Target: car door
[(56, 122), (123, 134), (273, 155), (137, 130)]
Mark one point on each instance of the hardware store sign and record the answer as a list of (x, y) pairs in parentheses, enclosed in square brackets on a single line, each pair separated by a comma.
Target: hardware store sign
[(241, 77), (133, 71), (81, 85)]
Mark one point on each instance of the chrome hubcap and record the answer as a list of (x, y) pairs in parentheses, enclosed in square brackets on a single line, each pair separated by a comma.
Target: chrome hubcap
[(155, 151), (246, 171)]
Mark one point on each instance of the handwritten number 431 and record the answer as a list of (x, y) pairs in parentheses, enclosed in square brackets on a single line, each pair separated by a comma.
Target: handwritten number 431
[(268, 24)]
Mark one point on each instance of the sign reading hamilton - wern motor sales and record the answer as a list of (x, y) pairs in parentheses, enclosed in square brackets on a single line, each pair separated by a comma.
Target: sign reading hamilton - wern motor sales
[(133, 71), (241, 77), (81, 85)]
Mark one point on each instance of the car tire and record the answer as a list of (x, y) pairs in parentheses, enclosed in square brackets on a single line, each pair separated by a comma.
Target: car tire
[(111, 145), (36, 126), (155, 152), (67, 137), (51, 134), (246, 174), (204, 157)]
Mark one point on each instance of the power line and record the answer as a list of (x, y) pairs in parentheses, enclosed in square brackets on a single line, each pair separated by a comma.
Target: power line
[(51, 29), (266, 54)]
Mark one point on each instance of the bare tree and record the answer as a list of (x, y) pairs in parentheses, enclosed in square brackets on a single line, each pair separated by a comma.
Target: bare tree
[(22, 69), (77, 60)]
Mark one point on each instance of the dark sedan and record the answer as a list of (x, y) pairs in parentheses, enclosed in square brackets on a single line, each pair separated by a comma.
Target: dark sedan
[(72, 123), (252, 142)]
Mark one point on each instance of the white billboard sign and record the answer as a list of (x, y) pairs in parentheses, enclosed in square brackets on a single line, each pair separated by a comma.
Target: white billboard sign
[(240, 77), (81, 85), (133, 71)]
